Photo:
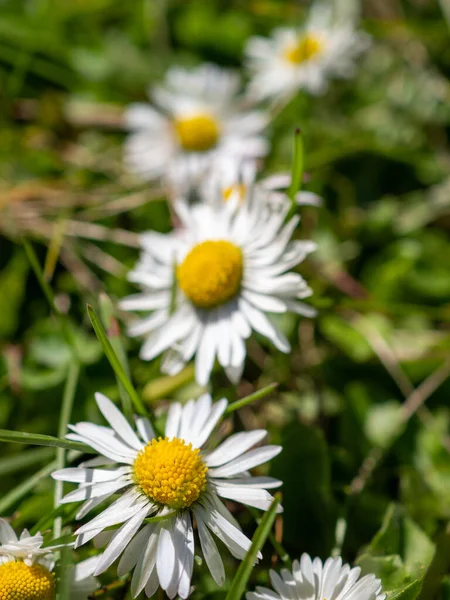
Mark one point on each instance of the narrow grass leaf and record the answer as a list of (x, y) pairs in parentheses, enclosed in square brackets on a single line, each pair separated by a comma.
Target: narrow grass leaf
[(113, 332), (115, 362), (298, 165), (39, 439), (239, 583)]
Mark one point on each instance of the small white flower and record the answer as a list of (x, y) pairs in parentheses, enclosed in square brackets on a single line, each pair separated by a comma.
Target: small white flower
[(312, 580), (196, 122), (302, 59), (175, 479), (26, 569), (235, 179), (211, 282)]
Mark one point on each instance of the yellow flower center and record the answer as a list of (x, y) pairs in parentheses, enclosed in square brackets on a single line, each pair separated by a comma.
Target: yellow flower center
[(21, 582), (211, 273), (303, 49), (197, 133), (237, 188), (170, 472)]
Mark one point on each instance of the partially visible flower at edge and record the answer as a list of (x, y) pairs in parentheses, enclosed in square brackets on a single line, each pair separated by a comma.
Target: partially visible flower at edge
[(312, 579), (306, 58), (26, 568)]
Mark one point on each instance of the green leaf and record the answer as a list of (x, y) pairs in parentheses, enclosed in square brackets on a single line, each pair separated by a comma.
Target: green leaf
[(390, 569), (400, 535), (239, 583), (309, 511), (410, 592)]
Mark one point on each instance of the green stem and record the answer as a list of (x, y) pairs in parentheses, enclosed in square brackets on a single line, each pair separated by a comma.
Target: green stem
[(265, 391), (64, 418)]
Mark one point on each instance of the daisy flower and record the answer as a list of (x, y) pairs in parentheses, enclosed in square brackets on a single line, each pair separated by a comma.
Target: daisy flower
[(237, 179), (26, 569), (196, 121), (302, 59), (212, 281), (312, 580), (164, 484)]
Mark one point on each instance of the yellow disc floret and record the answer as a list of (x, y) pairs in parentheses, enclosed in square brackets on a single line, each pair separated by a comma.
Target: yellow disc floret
[(197, 133), (170, 472), (19, 581), (304, 49), (211, 273)]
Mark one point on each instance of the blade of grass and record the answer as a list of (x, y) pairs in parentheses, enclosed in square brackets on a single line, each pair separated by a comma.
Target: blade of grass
[(27, 458), (239, 583), (298, 165), (16, 494), (282, 553), (265, 391), (113, 332), (64, 418), (115, 362), (39, 439)]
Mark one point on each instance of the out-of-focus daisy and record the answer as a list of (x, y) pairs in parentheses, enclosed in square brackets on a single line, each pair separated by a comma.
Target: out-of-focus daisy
[(171, 480), (26, 568), (302, 59), (211, 282), (196, 122), (237, 180), (312, 580)]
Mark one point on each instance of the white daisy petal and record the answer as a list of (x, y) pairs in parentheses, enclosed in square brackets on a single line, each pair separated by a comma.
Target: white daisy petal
[(211, 553), (120, 540), (234, 446), (117, 421), (246, 461)]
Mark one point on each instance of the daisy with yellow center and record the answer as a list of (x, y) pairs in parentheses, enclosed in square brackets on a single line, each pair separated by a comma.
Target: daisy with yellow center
[(174, 479), (207, 285), (27, 569), (196, 121), (302, 59)]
